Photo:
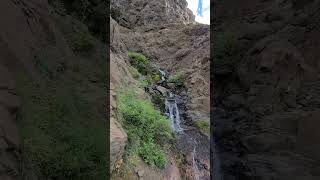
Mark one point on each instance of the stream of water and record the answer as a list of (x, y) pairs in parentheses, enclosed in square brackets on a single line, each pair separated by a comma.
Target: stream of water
[(172, 112), (163, 75)]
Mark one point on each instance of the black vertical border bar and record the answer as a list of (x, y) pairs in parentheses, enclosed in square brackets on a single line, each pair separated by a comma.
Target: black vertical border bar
[(211, 90), (107, 41), (216, 171)]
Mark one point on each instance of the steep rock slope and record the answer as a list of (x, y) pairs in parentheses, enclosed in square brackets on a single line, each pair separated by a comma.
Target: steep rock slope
[(266, 88), (165, 31), (179, 48), (118, 77)]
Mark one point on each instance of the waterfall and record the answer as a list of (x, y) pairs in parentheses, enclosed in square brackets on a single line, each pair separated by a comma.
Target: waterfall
[(172, 111), (173, 114), (169, 112), (163, 75)]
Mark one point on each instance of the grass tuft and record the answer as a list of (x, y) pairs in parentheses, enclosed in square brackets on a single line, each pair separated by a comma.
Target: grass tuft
[(146, 128), (204, 126), (178, 78)]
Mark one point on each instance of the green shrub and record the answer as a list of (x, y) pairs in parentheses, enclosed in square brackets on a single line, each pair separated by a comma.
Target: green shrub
[(152, 154), (82, 42), (203, 126), (156, 78), (145, 127), (139, 61), (178, 78), (147, 81)]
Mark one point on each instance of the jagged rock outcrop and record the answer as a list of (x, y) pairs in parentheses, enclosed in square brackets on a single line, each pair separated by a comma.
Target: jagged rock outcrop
[(136, 13), (267, 100)]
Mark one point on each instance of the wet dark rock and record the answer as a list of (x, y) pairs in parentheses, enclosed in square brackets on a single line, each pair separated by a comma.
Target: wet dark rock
[(162, 90)]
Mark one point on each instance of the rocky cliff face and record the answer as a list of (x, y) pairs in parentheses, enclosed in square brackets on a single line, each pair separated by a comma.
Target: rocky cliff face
[(166, 33), (137, 13), (179, 48), (266, 89), (175, 47)]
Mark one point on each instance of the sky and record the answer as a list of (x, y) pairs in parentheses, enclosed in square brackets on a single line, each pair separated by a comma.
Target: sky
[(193, 5)]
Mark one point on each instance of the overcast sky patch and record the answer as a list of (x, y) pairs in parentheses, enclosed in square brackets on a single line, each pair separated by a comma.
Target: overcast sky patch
[(193, 5)]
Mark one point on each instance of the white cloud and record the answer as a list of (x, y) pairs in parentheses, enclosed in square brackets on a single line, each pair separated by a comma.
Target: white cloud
[(193, 6)]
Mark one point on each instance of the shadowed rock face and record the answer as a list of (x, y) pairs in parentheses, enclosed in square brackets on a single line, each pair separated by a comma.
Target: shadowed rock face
[(10, 140), (265, 104), (17, 48), (28, 30)]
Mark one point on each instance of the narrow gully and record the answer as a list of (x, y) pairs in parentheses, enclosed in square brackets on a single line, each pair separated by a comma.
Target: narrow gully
[(172, 112)]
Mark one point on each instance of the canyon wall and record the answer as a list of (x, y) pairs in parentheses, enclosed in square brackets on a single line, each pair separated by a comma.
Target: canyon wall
[(266, 88), (18, 41), (164, 31), (33, 33)]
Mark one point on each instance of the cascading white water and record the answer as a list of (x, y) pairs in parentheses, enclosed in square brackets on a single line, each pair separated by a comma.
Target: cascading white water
[(163, 74), (172, 111), (169, 113)]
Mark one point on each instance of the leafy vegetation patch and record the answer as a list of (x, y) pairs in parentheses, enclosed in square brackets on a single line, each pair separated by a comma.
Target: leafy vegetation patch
[(204, 126), (152, 154), (156, 78), (139, 61), (178, 78), (146, 128)]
